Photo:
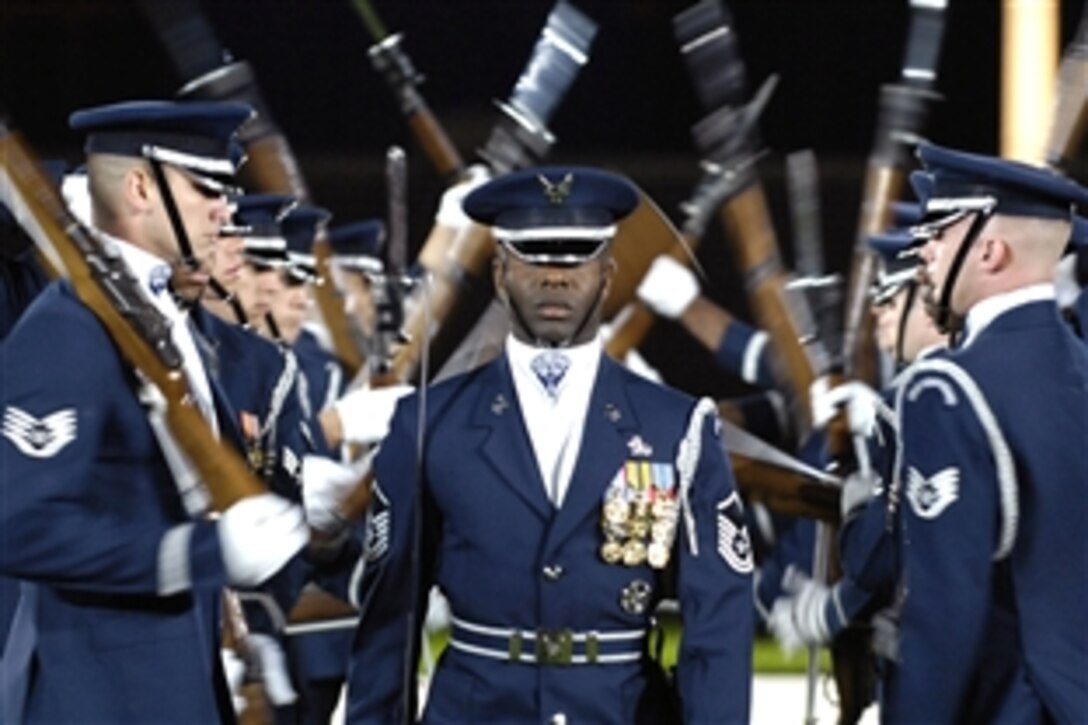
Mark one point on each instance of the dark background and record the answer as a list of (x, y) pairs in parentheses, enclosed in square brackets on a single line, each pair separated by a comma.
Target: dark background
[(631, 108)]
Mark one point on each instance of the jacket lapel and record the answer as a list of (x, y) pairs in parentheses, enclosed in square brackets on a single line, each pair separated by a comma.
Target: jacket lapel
[(610, 421), (214, 355), (507, 447)]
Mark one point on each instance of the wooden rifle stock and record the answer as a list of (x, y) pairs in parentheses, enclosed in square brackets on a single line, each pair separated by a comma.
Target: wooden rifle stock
[(388, 58), (883, 185), (271, 166), (640, 239), (755, 247), (785, 491), (330, 304), (630, 328), (453, 263), (435, 143), (317, 605)]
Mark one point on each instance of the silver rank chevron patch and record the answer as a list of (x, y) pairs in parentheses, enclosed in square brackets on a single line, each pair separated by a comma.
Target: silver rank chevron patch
[(733, 543), (378, 525), (40, 437), (929, 497)]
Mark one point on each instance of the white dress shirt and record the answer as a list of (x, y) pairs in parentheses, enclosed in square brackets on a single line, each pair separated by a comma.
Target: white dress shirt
[(152, 273), (556, 424), (983, 313)]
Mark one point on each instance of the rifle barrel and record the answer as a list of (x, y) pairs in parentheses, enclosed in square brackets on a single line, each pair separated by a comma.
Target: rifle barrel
[(371, 20)]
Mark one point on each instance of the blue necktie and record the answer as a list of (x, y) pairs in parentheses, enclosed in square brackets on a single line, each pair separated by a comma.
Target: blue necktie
[(550, 366)]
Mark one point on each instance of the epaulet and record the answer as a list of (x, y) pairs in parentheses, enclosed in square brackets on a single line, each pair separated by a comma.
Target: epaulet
[(687, 461), (957, 388), (279, 393)]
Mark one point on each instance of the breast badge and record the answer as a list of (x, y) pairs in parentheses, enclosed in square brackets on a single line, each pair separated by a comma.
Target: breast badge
[(640, 513)]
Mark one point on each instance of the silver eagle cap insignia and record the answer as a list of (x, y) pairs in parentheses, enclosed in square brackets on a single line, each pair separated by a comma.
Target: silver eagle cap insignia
[(557, 192)]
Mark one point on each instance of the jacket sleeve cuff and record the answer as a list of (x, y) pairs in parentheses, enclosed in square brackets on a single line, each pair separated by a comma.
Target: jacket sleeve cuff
[(189, 558)]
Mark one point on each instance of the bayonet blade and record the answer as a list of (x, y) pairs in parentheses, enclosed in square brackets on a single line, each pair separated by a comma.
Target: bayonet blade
[(521, 137), (708, 43), (924, 42)]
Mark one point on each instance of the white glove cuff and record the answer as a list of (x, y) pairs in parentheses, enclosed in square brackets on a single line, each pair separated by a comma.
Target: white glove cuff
[(450, 213), (365, 413), (668, 288)]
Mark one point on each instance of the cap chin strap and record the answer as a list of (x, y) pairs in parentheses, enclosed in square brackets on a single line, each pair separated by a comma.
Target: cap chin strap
[(944, 313), (912, 292), (186, 249), (231, 299), (274, 329)]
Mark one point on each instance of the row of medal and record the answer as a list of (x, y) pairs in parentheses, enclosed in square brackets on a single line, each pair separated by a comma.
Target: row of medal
[(640, 515)]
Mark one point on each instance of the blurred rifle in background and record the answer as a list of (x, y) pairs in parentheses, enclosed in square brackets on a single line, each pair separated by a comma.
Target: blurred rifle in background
[(210, 72), (1071, 100), (456, 254)]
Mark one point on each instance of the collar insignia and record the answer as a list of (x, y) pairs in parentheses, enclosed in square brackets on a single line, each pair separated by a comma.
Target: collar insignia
[(159, 279), (612, 413), (639, 447)]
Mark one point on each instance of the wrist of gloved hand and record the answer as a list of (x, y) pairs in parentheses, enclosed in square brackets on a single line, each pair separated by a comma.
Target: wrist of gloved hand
[(258, 535), (273, 664), (859, 402), (234, 670), (857, 491), (799, 619), (668, 288), (325, 485), (450, 213), (365, 413)]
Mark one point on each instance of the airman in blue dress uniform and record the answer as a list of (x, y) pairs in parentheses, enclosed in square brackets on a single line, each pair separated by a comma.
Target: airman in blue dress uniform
[(814, 614), (559, 497), (322, 374), (992, 483), (321, 657), (122, 569)]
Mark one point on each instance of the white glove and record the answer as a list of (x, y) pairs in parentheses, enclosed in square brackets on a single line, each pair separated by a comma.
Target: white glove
[(365, 413), (861, 403), (235, 670), (274, 677), (438, 612), (450, 213), (74, 189), (258, 535), (798, 620), (857, 491), (325, 483), (668, 287), (1066, 287)]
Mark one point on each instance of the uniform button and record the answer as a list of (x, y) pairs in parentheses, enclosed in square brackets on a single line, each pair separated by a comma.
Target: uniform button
[(558, 719), (553, 572)]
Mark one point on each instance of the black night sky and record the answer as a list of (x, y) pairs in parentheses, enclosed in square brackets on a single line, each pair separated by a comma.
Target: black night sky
[(631, 109)]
